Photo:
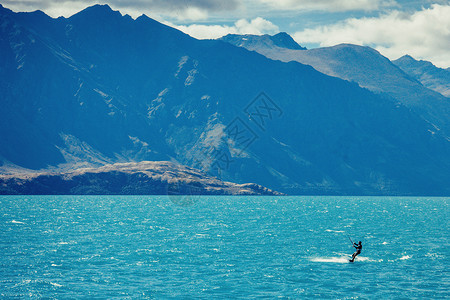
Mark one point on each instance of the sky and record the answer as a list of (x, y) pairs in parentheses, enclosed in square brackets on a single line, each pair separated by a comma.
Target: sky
[(393, 27)]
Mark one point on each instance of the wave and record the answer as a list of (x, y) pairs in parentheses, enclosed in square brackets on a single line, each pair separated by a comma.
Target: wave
[(17, 222), (341, 259), (337, 231)]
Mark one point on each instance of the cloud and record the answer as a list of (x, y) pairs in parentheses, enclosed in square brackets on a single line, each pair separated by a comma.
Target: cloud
[(329, 5), (179, 9), (424, 34), (208, 5), (183, 10), (256, 26), (48, 6)]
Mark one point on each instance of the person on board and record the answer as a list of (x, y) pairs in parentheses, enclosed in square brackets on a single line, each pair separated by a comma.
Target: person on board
[(358, 250)]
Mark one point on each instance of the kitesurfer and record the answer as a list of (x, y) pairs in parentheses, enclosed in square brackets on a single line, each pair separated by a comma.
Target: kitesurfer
[(358, 250)]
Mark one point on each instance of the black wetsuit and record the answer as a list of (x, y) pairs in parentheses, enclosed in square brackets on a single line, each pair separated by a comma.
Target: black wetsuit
[(358, 251)]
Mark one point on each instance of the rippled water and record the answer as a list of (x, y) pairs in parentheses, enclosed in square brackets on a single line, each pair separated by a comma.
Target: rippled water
[(223, 247)]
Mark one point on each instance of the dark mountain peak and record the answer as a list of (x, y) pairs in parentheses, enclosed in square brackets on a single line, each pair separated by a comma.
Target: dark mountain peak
[(34, 16), (281, 40), (4, 10), (145, 18), (99, 11), (127, 16), (104, 14), (149, 22), (284, 40), (25, 19), (99, 8), (166, 32)]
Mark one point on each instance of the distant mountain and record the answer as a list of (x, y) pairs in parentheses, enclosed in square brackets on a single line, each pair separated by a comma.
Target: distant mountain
[(365, 66), (426, 73), (279, 40), (100, 88), (144, 178)]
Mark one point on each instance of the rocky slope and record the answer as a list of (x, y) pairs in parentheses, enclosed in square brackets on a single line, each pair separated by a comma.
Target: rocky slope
[(144, 178)]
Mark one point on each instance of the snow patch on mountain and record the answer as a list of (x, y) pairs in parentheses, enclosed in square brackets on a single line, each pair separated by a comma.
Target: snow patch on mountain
[(104, 95), (183, 60), (77, 152), (191, 77), (212, 137)]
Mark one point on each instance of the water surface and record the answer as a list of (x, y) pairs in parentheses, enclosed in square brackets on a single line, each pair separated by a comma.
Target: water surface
[(223, 247)]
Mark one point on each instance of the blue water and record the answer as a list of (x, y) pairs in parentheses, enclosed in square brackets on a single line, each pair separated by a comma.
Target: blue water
[(223, 247)]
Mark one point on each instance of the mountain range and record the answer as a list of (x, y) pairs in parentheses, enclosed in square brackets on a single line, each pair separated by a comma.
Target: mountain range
[(101, 88), (419, 86)]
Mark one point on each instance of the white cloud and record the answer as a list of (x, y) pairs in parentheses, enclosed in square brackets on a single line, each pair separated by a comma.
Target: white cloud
[(193, 13), (177, 9), (194, 10), (256, 26), (54, 8), (329, 5), (242, 26), (424, 34)]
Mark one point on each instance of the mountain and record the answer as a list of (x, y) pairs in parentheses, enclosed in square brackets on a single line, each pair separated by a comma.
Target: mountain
[(146, 178), (250, 41), (100, 88), (426, 73), (368, 68)]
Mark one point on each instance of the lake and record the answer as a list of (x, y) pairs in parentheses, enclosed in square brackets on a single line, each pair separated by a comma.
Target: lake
[(223, 247)]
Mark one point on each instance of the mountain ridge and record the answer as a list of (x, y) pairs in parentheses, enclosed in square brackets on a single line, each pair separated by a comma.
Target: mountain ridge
[(369, 69), (133, 90), (426, 73), (281, 40)]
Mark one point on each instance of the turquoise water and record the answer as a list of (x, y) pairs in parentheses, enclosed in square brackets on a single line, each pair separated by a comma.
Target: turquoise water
[(99, 247)]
